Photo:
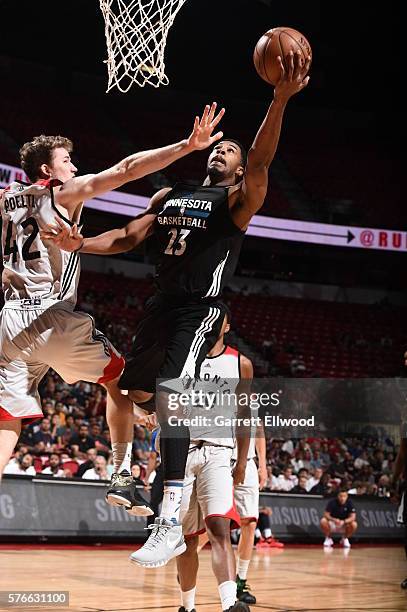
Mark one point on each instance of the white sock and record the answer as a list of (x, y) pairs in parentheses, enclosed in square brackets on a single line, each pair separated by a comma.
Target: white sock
[(242, 568), (172, 500), (267, 533), (122, 456), (257, 533), (227, 593), (188, 599)]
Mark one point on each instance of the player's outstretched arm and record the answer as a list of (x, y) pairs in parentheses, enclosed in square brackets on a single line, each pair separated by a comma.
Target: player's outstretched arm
[(262, 152), (243, 432), (79, 189), (109, 243)]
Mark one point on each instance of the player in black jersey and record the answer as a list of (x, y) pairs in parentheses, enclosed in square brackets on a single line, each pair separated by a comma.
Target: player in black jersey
[(198, 234)]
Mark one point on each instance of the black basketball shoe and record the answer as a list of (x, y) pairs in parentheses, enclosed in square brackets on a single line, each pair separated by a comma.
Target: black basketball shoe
[(239, 606), (243, 593), (404, 584), (123, 492), (182, 609)]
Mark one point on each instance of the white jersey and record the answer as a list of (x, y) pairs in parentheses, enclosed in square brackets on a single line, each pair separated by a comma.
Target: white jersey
[(36, 273), (226, 367)]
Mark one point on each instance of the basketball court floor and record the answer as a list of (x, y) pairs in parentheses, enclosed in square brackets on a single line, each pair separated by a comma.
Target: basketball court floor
[(299, 579)]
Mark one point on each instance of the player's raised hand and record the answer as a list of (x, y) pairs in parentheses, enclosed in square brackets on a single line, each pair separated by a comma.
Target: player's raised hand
[(64, 237), (295, 78), (201, 136)]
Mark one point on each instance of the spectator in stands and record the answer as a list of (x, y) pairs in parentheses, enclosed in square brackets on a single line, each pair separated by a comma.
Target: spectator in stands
[(325, 455), (359, 488), (288, 447), (302, 444), (301, 486), (377, 462), (100, 441), (99, 471), (82, 440), (271, 483), (136, 472), (106, 436), (388, 463), (337, 468), (316, 461), (348, 464), (339, 517), (307, 460), (54, 468), (44, 434), (78, 419), (97, 405), (298, 461), (80, 391), (366, 474), (91, 455), (61, 410), (141, 446), (286, 481), (314, 479), (22, 466), (283, 460), (383, 486), (303, 472), (323, 487), (65, 432), (361, 461), (55, 425)]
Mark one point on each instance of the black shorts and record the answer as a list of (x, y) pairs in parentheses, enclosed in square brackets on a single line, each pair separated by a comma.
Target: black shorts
[(171, 341)]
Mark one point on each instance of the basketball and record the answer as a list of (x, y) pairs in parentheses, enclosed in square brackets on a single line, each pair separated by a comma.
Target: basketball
[(278, 42)]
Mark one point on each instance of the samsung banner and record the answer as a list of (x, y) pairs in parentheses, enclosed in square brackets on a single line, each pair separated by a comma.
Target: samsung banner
[(61, 508), (261, 226)]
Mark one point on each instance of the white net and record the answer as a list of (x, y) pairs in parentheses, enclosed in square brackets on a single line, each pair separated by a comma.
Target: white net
[(136, 34)]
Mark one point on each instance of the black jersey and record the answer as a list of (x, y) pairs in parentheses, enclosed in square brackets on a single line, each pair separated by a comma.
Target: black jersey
[(196, 240)]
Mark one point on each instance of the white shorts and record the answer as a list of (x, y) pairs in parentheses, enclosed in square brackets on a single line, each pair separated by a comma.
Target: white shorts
[(208, 488), (32, 341), (336, 528), (247, 494)]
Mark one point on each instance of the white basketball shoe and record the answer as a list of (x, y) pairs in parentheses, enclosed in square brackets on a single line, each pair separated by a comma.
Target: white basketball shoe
[(164, 543)]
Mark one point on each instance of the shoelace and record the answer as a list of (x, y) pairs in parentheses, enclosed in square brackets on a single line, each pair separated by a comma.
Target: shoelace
[(158, 532), (246, 587), (121, 481)]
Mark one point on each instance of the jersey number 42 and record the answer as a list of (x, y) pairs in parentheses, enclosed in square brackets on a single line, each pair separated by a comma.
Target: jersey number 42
[(10, 246)]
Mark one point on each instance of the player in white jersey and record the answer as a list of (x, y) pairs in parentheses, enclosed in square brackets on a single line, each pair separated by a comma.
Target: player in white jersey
[(208, 501), (38, 328)]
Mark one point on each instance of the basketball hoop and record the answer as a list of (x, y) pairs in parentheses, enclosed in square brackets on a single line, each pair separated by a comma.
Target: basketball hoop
[(136, 34)]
